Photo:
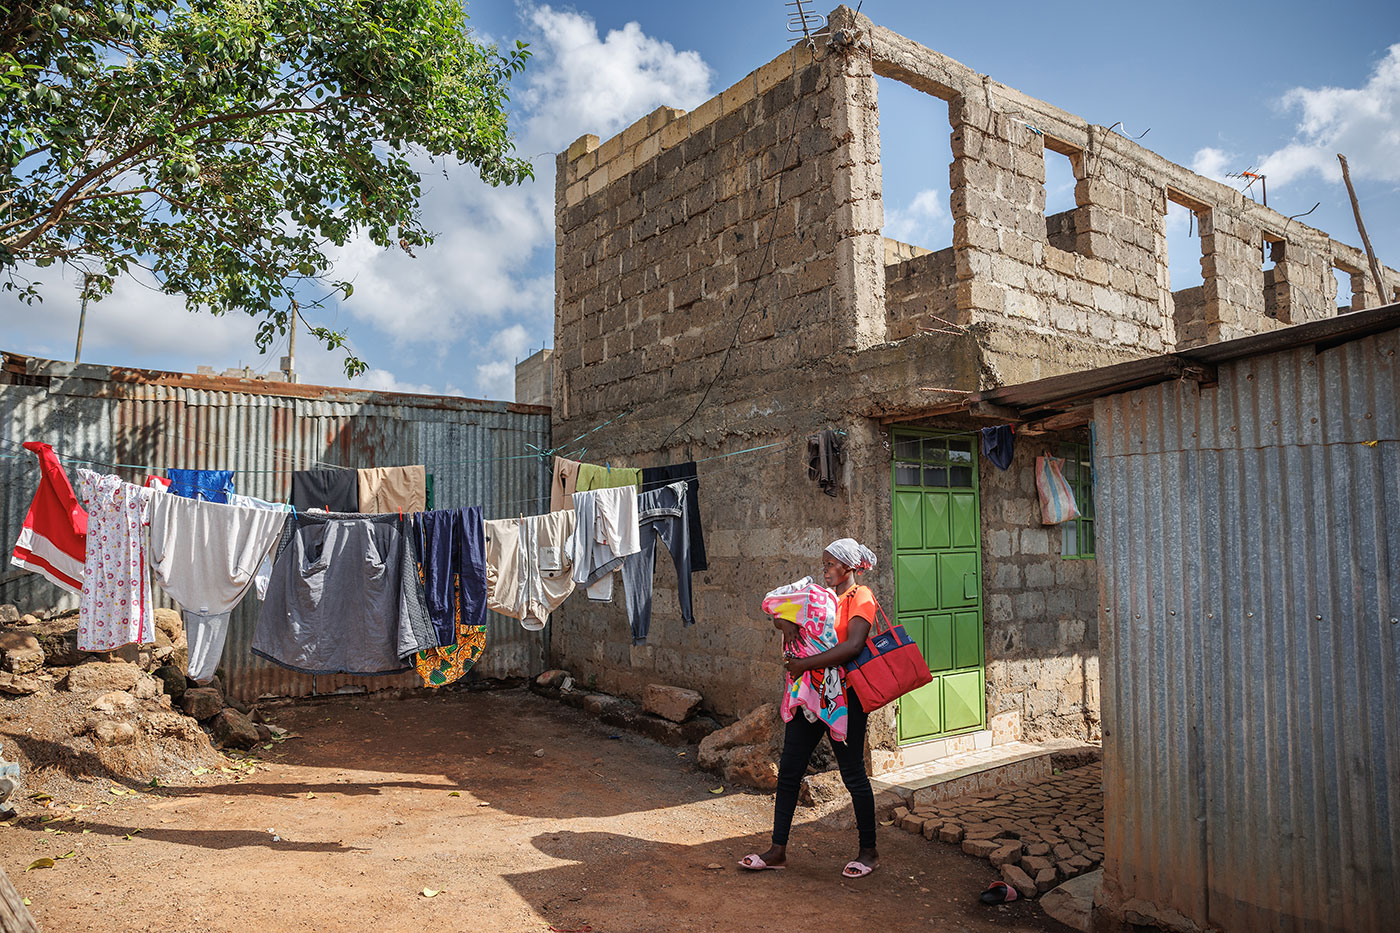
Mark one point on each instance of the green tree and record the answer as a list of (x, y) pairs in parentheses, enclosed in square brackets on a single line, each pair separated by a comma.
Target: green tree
[(227, 145)]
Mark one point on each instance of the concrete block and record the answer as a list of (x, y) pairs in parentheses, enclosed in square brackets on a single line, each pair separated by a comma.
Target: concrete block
[(773, 73), (610, 149), (581, 146), (648, 148), (1034, 541), (675, 132), (705, 114), (737, 94)]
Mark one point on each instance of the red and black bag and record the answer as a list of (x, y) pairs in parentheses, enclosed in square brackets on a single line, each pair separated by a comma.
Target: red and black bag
[(889, 666)]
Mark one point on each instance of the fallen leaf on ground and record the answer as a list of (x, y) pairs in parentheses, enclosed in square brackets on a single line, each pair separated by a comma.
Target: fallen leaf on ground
[(887, 822), (69, 854), (131, 834), (1369, 443), (26, 902), (41, 796), (40, 863), (199, 771), (310, 795), (716, 790), (454, 793), (429, 892), (119, 791), (714, 866)]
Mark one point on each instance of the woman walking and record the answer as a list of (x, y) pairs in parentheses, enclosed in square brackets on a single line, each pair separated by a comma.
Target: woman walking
[(855, 613)]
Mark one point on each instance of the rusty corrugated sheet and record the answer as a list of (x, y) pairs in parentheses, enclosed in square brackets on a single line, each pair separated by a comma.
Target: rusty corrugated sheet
[(476, 450), (1249, 554)]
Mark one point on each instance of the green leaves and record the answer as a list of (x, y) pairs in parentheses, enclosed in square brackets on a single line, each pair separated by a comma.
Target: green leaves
[(226, 145)]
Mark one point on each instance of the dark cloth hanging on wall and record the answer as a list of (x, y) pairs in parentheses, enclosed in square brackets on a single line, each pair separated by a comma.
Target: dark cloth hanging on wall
[(824, 456), (452, 553), (999, 445), (656, 477), (331, 490)]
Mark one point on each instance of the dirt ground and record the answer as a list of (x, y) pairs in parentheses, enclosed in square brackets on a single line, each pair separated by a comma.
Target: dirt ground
[(522, 814)]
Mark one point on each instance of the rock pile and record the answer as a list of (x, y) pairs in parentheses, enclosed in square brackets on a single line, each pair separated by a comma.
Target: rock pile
[(670, 715), (128, 714)]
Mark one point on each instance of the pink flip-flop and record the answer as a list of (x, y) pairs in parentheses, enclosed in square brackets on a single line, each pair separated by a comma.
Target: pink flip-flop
[(855, 869), (756, 863)]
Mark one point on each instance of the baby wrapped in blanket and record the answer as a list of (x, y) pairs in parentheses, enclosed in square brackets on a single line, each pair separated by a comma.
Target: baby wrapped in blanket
[(819, 694)]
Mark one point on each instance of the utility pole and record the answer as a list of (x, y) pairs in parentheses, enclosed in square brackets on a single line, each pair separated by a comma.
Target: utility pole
[(82, 320), (289, 361), (1365, 240)]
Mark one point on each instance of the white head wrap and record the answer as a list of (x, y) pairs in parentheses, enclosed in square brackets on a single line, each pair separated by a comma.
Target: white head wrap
[(852, 553)]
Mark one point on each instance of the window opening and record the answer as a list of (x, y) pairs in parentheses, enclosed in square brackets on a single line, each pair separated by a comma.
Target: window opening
[(1272, 252), (916, 158), (1062, 173), (1346, 287), (1185, 251), (945, 462), (1077, 539)]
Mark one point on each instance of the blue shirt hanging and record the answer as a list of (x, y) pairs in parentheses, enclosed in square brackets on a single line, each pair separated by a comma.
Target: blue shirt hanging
[(999, 445), (208, 485)]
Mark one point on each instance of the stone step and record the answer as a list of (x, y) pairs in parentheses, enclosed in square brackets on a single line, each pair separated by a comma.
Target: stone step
[(921, 785)]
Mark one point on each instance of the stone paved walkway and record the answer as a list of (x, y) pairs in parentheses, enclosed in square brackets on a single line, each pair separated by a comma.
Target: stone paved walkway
[(1038, 834)]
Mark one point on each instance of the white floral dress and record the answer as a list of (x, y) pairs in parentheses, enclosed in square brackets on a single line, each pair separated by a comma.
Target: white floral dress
[(116, 601)]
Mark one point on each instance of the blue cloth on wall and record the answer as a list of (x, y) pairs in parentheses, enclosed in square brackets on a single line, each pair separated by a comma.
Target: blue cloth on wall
[(208, 485), (999, 445), (452, 550)]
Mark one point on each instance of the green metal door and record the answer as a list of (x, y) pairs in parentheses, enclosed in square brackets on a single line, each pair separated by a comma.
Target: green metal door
[(938, 581)]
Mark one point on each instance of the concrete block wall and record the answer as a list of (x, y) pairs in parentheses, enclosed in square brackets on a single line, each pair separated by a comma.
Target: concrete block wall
[(1040, 610), (664, 228), (918, 292), (1100, 274)]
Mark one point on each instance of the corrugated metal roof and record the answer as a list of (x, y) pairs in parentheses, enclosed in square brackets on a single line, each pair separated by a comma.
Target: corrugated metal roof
[(478, 452), (1249, 556)]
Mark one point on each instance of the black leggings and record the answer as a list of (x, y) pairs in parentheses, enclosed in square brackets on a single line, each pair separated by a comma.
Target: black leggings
[(799, 741)]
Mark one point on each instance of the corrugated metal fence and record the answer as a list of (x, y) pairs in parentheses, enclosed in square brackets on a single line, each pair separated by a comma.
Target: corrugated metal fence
[(1249, 553), (477, 453)]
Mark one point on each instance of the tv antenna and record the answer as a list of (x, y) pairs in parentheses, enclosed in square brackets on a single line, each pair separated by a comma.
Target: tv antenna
[(1253, 177), (801, 19)]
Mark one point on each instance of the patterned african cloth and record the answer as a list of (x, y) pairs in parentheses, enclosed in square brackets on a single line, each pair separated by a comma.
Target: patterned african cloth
[(438, 667)]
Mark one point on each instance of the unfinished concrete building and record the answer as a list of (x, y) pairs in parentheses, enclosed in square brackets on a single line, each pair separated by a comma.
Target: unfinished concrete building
[(723, 285)]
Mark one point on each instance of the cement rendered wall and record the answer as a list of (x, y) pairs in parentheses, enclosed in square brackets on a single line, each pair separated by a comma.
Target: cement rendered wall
[(729, 262)]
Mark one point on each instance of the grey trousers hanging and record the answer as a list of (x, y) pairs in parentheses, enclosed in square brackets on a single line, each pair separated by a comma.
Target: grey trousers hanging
[(663, 516)]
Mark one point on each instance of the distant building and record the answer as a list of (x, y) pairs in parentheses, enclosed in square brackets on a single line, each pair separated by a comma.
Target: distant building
[(534, 378)]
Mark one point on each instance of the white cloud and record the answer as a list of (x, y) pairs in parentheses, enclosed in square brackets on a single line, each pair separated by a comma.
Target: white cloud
[(1214, 163), (1361, 123), (496, 379), (488, 261), (925, 220), (592, 84)]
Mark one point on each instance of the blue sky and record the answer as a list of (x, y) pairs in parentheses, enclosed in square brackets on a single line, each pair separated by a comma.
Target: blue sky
[(1282, 87)]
